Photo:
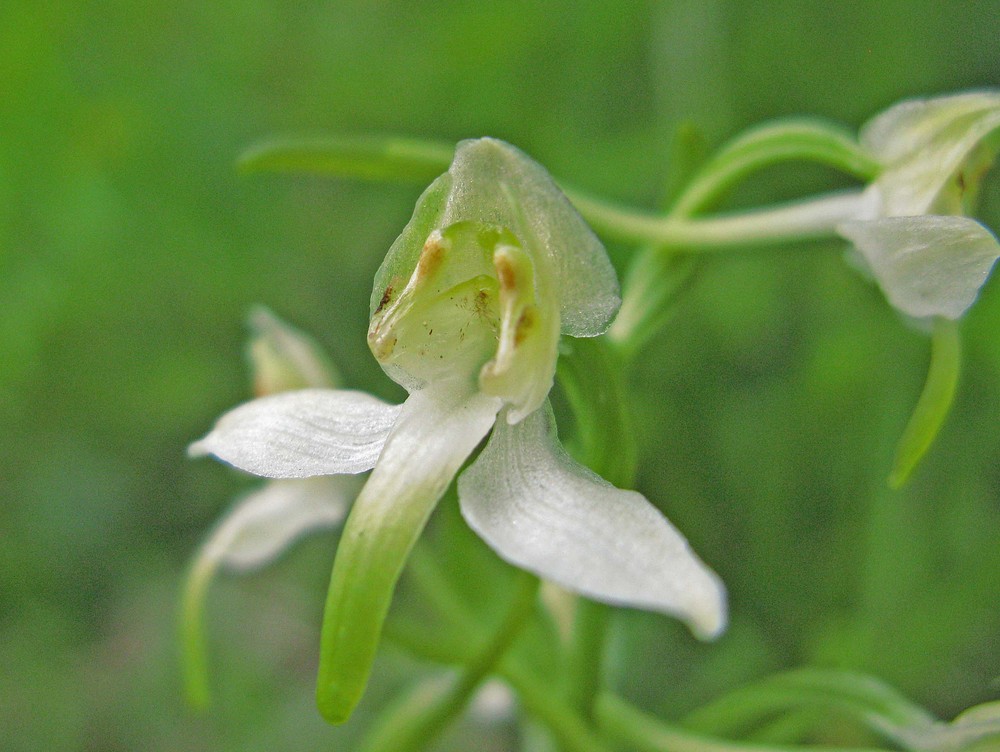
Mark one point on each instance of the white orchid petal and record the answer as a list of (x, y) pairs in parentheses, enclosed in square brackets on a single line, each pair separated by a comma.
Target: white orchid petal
[(302, 433), (928, 265), (542, 511), (265, 522), (436, 431)]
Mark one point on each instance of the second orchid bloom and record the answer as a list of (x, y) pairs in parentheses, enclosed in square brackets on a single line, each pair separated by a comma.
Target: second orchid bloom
[(928, 257)]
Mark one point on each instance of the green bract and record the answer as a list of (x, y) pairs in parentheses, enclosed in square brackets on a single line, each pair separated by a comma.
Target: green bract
[(467, 310)]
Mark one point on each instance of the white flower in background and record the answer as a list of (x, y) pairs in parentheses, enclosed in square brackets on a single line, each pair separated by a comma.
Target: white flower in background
[(263, 523), (928, 258), (467, 311)]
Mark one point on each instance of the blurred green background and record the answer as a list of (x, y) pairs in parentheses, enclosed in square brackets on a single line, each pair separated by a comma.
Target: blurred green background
[(131, 251)]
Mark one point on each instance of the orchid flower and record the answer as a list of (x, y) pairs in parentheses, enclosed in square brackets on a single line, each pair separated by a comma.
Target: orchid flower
[(927, 256), (913, 235), (466, 314), (263, 523)]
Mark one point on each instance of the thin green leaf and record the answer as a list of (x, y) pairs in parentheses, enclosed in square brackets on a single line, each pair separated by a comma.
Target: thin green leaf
[(649, 734), (868, 700), (382, 158), (934, 403)]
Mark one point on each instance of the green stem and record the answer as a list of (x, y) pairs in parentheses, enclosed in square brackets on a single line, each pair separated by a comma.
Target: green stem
[(426, 574), (591, 377), (806, 140), (934, 403), (416, 723), (585, 656), (656, 275), (649, 734), (802, 220), (538, 698), (193, 653), (569, 729)]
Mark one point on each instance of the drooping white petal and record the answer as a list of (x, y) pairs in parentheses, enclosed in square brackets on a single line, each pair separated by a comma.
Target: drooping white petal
[(542, 511), (437, 430), (928, 265), (302, 433), (264, 523)]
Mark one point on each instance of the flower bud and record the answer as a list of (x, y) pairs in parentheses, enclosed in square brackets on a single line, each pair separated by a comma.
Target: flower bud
[(282, 358)]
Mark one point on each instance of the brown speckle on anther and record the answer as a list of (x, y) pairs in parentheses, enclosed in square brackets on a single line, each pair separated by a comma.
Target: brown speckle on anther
[(505, 273), (430, 257)]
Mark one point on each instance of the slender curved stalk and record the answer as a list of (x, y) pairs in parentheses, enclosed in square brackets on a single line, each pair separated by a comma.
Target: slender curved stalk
[(585, 656), (768, 144), (416, 723), (868, 700), (801, 220), (934, 403), (193, 653), (571, 731)]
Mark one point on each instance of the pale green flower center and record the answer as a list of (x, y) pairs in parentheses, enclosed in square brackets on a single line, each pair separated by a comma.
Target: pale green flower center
[(467, 307)]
